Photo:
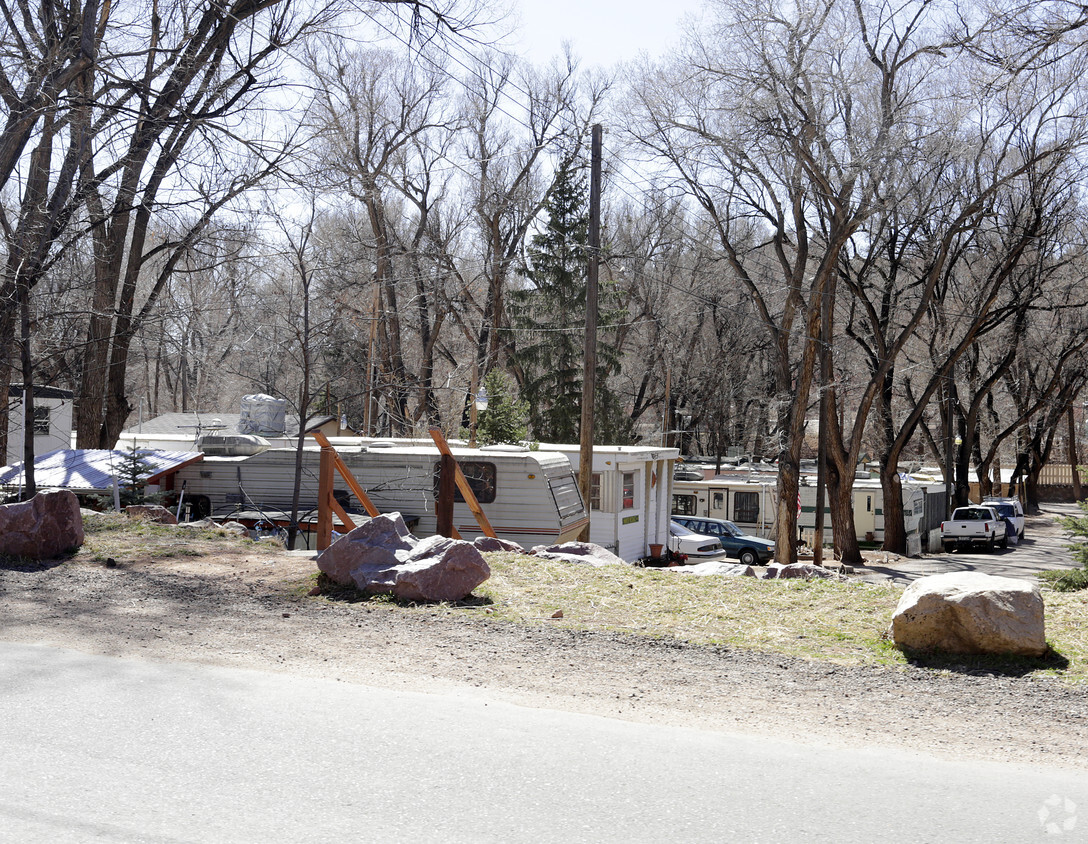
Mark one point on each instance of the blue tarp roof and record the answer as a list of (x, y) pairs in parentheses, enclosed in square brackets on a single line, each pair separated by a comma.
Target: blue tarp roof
[(93, 469)]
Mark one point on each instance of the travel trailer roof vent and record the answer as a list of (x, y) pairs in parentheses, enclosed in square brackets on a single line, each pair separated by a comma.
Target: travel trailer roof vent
[(232, 445), (263, 415), (382, 444), (507, 447)]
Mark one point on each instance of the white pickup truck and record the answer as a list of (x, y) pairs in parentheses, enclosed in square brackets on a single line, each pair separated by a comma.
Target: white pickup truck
[(974, 525)]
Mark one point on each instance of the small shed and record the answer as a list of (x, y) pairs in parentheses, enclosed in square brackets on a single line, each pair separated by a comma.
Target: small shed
[(52, 420), (630, 496)]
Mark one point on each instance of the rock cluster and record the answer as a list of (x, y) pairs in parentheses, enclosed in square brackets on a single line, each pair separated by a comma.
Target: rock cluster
[(47, 525), (383, 557), (972, 613), (718, 567)]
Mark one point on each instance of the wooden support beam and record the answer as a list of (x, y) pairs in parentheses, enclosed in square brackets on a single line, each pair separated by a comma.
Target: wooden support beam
[(447, 485), (324, 498), (463, 485), (345, 473)]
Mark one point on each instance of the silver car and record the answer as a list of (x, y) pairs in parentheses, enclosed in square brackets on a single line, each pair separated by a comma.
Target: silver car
[(685, 541)]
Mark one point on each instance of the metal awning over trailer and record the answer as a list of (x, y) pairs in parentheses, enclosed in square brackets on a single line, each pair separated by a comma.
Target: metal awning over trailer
[(92, 470)]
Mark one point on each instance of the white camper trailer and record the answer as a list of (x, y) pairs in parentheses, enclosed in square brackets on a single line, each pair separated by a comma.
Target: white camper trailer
[(750, 504), (529, 497)]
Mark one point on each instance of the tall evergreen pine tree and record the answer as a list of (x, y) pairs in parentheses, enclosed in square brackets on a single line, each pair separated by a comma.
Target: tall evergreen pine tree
[(548, 316)]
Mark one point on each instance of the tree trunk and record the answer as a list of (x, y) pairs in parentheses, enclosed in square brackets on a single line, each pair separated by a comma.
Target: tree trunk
[(895, 534), (1073, 468)]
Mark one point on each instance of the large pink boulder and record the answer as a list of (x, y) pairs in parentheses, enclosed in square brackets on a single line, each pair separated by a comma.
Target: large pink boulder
[(47, 525), (437, 569), (375, 543)]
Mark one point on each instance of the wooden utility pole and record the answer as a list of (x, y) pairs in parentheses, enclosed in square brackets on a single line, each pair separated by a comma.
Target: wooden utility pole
[(589, 378)]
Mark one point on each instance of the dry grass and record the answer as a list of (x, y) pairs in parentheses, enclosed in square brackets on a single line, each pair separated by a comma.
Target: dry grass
[(117, 536), (841, 622)]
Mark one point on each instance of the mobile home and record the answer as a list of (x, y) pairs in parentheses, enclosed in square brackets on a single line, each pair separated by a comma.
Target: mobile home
[(750, 503), (529, 497)]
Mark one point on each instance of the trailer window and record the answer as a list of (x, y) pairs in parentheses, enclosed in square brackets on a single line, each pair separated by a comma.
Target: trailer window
[(41, 420), (568, 500), (683, 505), (595, 491), (746, 507), (628, 490), (480, 476)]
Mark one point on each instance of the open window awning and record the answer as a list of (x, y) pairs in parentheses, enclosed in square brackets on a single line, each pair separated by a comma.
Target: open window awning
[(94, 469)]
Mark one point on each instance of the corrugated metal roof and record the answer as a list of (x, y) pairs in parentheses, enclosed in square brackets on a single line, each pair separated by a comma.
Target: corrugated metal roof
[(93, 469)]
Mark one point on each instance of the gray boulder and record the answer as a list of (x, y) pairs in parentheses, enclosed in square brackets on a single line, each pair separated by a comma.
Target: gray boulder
[(971, 613), (375, 543), (712, 567), (151, 513), (586, 553), (436, 569), (808, 571), (199, 524), (237, 528), (47, 525)]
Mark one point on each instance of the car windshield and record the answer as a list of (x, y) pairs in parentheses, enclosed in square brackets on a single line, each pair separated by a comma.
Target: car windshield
[(732, 529)]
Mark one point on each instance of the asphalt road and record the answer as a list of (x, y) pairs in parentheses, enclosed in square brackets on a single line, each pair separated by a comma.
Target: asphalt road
[(1045, 546), (118, 750)]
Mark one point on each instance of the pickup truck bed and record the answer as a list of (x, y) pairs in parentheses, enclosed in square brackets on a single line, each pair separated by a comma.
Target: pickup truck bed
[(969, 526)]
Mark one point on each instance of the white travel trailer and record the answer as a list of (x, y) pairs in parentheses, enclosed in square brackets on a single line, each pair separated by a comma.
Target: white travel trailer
[(750, 504), (529, 497)]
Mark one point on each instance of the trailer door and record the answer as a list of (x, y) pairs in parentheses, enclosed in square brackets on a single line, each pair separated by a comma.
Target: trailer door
[(717, 503)]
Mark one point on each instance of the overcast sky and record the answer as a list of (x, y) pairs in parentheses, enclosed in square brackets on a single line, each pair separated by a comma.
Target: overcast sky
[(601, 32)]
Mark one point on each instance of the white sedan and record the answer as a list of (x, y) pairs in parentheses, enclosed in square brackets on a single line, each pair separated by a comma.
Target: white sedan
[(685, 541)]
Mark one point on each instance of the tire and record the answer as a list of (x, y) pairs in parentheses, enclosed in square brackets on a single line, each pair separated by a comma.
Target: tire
[(748, 557), (1004, 541), (990, 546), (949, 547)]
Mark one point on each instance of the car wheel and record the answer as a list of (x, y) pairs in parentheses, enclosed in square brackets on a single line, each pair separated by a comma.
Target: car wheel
[(990, 546), (1005, 541), (949, 547), (748, 557)]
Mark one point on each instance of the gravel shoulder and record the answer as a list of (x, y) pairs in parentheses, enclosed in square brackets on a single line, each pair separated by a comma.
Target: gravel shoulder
[(247, 607)]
